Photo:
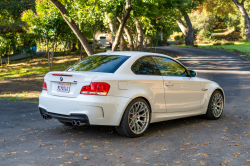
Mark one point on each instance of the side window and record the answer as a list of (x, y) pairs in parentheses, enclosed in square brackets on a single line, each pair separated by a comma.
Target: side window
[(145, 66), (169, 67)]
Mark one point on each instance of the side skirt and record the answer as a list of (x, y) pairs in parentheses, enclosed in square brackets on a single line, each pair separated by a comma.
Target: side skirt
[(158, 117)]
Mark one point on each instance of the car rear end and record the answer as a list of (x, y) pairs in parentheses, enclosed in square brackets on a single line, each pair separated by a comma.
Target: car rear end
[(74, 97)]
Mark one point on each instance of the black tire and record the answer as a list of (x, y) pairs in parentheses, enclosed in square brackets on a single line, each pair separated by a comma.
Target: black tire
[(211, 114), (65, 123), (124, 128)]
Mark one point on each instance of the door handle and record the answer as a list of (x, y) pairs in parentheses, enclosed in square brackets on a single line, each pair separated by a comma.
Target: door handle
[(204, 89), (169, 84)]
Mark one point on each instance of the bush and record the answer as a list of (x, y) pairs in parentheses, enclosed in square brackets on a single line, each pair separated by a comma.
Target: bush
[(216, 44), (228, 43), (176, 36), (179, 43)]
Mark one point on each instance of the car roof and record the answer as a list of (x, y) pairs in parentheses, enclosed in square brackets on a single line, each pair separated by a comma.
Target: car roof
[(132, 53)]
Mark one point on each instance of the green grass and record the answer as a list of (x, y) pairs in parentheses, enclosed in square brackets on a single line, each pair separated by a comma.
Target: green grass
[(22, 97), (240, 46)]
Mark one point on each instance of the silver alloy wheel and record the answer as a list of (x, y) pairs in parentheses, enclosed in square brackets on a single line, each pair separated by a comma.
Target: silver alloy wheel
[(138, 117), (217, 105)]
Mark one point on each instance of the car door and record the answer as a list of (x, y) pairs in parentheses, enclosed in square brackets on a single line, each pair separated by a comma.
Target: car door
[(182, 93), (148, 78)]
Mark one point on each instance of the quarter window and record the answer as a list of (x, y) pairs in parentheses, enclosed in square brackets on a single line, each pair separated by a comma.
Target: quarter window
[(145, 66), (169, 67)]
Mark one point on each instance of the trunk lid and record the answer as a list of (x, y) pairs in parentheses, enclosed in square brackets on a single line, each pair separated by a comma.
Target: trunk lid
[(71, 81)]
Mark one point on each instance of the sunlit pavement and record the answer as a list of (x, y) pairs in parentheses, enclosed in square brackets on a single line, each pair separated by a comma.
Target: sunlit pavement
[(27, 139)]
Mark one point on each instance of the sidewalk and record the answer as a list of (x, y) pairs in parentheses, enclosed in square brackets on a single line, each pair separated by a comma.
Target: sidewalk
[(22, 56)]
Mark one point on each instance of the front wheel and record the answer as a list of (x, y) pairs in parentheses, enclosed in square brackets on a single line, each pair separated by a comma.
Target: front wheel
[(136, 119), (215, 106)]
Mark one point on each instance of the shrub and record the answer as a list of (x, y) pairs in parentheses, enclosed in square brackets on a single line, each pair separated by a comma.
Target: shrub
[(176, 36), (228, 43), (216, 44), (179, 43)]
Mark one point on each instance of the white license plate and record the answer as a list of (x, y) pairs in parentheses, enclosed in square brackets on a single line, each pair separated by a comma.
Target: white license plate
[(63, 87)]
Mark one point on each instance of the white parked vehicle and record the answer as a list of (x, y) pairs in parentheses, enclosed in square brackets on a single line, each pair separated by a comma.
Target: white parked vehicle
[(128, 90)]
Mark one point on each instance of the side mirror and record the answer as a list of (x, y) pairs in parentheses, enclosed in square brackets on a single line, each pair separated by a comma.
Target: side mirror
[(192, 73)]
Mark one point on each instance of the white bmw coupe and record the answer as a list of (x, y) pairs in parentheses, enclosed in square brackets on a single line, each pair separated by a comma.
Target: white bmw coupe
[(128, 90)]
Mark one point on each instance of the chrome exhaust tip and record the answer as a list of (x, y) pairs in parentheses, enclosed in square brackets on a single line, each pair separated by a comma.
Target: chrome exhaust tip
[(74, 123), (46, 117), (79, 123)]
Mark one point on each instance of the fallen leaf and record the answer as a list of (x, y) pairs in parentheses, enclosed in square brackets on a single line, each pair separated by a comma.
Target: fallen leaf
[(3, 139), (85, 158), (7, 154), (202, 163), (69, 152)]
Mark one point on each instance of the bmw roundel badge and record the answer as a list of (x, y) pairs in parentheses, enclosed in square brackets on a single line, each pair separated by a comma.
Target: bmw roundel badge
[(61, 79)]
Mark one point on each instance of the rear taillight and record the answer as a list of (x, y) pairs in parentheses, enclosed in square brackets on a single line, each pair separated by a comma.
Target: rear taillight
[(44, 86), (96, 88)]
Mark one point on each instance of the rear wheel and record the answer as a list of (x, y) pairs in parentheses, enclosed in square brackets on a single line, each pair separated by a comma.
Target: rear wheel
[(65, 123), (215, 106), (136, 119)]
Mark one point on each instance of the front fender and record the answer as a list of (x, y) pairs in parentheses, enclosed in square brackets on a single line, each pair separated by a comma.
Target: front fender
[(207, 94)]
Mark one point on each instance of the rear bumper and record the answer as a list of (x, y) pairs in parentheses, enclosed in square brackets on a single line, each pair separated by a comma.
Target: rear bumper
[(99, 110), (65, 118)]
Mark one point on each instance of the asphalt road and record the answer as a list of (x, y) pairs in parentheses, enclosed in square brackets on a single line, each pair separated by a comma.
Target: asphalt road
[(27, 139)]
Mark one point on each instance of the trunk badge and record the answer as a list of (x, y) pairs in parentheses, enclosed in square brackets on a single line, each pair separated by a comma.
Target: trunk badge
[(61, 79), (75, 81)]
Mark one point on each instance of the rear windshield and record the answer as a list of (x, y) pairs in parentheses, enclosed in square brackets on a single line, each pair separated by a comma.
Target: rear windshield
[(99, 63)]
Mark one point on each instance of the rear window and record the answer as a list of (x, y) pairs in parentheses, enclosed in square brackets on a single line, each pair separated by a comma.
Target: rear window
[(99, 63)]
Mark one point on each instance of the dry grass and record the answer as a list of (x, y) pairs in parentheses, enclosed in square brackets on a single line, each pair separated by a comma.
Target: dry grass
[(22, 80)]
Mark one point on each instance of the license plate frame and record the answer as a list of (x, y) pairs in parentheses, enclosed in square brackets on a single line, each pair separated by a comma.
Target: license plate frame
[(63, 87)]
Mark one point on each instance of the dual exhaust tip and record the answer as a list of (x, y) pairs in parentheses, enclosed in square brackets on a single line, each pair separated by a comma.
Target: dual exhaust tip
[(77, 123), (74, 122), (46, 116)]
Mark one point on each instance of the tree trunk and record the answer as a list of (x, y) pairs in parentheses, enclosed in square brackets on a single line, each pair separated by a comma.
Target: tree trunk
[(52, 54), (14, 48), (73, 26), (94, 39), (81, 52), (112, 26), (136, 40), (73, 47), (121, 27), (41, 45), (240, 6), (123, 44), (151, 43), (129, 36), (181, 26), (146, 42), (140, 35), (47, 46), (189, 38)]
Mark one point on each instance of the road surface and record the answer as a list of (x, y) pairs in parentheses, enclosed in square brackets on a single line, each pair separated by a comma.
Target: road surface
[(27, 139)]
